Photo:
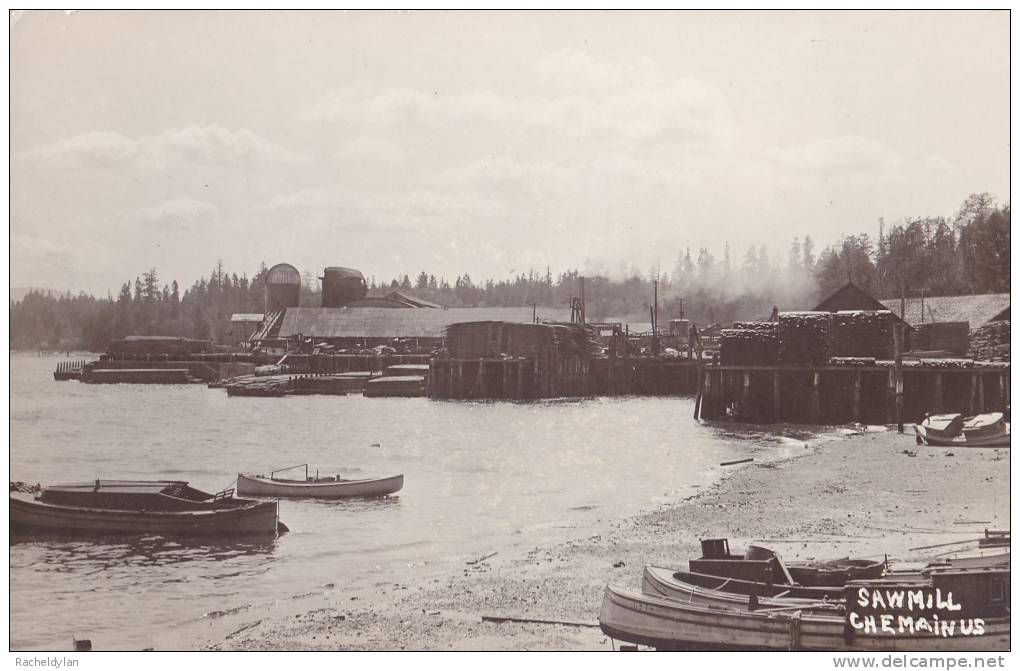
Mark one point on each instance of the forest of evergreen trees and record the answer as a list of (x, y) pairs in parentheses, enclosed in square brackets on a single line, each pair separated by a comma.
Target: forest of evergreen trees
[(966, 254)]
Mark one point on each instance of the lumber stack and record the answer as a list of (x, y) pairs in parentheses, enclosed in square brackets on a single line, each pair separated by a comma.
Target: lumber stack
[(990, 342), (491, 339), (755, 345), (863, 333), (950, 336), (803, 338)]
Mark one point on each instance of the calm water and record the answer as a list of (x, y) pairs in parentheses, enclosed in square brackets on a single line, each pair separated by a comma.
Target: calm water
[(479, 478)]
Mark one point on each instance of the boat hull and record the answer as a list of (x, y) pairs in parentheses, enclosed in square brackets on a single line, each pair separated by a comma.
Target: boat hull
[(669, 624), (660, 582), (255, 518), (924, 437), (248, 485)]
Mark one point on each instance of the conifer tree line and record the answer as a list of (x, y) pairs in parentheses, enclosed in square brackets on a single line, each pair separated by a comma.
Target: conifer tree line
[(965, 254)]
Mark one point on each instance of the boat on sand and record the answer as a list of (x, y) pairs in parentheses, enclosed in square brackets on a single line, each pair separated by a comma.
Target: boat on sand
[(161, 507), (954, 430), (671, 624)]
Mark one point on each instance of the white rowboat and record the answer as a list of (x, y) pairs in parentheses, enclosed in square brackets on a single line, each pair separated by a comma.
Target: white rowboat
[(318, 487)]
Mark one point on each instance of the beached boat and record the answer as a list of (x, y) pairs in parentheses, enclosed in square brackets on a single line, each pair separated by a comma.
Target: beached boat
[(320, 487), (760, 564), (163, 507), (674, 584), (719, 592), (987, 430), (671, 624)]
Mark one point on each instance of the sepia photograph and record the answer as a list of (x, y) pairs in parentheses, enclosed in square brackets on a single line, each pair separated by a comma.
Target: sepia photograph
[(507, 331)]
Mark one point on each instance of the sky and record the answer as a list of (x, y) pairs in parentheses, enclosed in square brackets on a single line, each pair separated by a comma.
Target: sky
[(487, 143)]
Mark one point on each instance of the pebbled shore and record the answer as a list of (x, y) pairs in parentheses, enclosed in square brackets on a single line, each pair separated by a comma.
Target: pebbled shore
[(861, 496)]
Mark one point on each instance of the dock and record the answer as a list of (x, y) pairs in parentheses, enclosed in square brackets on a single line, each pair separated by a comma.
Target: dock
[(874, 393)]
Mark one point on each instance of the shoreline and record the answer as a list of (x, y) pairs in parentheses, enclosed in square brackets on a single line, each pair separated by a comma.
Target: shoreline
[(863, 495)]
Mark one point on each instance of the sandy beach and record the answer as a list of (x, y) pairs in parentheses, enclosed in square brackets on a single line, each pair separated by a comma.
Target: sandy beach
[(865, 495)]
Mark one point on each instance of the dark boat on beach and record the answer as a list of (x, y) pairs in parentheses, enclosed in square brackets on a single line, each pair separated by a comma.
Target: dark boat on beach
[(162, 507), (707, 620), (673, 584), (765, 566)]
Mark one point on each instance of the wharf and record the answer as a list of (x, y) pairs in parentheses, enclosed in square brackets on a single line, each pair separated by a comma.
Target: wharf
[(140, 376), (878, 392)]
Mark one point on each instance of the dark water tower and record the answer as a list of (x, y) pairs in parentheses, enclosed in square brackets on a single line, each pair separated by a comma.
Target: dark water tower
[(283, 287), (341, 286)]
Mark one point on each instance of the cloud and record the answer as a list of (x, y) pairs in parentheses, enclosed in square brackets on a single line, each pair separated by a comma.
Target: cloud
[(210, 144), (418, 209), (844, 156), (610, 100), (182, 214), (941, 166), (371, 149)]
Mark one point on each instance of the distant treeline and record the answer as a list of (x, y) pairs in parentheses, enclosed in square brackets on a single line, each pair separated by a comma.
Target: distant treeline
[(966, 254)]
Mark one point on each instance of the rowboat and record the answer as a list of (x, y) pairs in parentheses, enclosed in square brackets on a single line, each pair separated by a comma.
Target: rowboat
[(674, 584), (162, 507), (672, 624), (320, 487), (760, 564), (711, 591), (987, 430)]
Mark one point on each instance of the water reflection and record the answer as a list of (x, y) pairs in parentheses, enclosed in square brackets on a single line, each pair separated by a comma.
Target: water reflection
[(61, 554)]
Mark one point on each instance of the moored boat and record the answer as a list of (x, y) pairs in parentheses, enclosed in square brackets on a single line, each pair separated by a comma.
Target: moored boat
[(323, 487), (163, 507), (671, 624), (986, 430)]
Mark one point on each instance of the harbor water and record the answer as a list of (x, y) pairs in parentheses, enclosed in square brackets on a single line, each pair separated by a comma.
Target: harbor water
[(480, 478)]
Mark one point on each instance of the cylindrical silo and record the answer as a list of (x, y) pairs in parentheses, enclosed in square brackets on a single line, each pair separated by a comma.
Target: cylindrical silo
[(283, 287), (341, 286)]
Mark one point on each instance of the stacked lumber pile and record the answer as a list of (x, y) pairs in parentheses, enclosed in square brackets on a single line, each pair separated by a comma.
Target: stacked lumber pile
[(950, 336), (749, 343), (477, 340), (861, 333), (943, 363), (852, 361), (990, 342), (804, 338), (258, 386)]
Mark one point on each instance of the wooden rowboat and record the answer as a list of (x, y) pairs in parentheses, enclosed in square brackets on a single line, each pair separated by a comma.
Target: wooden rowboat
[(327, 487), (671, 624), (987, 430), (668, 584), (166, 508), (673, 584), (760, 564)]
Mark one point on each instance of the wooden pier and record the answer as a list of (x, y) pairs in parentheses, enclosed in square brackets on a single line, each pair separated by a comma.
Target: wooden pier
[(869, 394)]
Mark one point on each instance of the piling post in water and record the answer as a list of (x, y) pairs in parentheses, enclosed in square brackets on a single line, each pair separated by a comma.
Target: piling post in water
[(777, 406), (981, 392), (937, 402), (973, 391), (857, 396), (816, 381)]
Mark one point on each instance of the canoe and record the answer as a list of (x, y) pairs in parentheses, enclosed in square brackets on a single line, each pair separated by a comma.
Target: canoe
[(165, 508), (987, 430), (671, 624), (318, 487)]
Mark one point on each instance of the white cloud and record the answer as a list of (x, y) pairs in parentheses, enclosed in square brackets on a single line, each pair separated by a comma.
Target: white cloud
[(628, 102), (184, 214), (205, 144), (371, 149), (844, 156), (941, 166)]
